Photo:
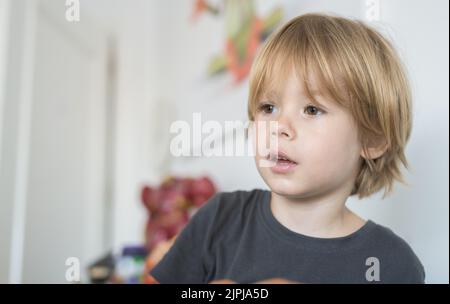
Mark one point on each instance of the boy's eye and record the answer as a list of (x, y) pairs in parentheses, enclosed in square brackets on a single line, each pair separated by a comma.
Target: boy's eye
[(312, 110), (267, 108)]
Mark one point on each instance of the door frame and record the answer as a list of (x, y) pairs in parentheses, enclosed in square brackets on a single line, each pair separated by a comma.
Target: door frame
[(17, 111)]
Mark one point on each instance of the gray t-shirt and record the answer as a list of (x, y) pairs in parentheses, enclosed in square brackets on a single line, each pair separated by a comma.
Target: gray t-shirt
[(235, 236)]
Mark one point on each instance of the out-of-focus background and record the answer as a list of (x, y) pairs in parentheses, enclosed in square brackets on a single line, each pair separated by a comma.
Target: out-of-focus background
[(87, 100)]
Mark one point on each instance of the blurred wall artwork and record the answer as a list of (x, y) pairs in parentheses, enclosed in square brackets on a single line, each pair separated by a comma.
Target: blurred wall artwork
[(245, 31)]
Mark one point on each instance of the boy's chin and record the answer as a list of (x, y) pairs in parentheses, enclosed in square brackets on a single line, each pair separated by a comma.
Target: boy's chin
[(294, 194), (287, 193), (285, 187)]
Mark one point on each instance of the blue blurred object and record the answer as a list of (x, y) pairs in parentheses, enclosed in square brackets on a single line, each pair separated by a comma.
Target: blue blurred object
[(130, 265)]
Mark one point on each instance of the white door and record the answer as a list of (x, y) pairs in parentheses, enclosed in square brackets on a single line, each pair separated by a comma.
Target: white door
[(59, 197)]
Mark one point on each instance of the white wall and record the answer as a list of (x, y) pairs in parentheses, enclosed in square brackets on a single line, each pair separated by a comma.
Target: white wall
[(5, 207), (135, 95), (13, 124), (136, 28), (51, 152)]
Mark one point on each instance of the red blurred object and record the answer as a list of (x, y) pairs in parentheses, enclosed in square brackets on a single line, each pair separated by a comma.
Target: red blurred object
[(170, 204)]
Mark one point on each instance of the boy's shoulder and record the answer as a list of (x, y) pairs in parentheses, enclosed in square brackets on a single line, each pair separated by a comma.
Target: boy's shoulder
[(395, 252), (386, 237)]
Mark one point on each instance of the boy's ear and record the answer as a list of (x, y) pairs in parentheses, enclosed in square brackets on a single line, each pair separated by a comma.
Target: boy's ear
[(375, 148)]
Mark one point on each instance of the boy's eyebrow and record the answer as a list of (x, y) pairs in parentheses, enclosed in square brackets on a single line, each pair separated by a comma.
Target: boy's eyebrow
[(314, 93), (273, 93)]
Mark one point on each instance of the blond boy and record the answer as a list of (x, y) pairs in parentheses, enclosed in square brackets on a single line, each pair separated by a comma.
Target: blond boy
[(340, 98)]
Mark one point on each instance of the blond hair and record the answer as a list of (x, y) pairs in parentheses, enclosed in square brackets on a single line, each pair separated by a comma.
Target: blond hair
[(356, 67)]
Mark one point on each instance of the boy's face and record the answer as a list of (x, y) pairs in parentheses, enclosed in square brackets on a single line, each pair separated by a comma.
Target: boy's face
[(320, 140)]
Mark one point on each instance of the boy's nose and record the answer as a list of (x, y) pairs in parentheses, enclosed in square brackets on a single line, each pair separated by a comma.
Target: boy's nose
[(284, 128)]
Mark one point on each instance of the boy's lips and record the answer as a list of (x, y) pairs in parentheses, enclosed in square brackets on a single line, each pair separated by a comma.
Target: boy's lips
[(282, 163), (279, 156)]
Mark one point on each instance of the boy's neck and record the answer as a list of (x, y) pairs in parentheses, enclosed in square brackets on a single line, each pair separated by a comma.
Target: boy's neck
[(323, 217)]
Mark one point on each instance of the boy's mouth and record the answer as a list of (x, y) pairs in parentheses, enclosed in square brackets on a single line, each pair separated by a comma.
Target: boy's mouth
[(281, 162), (280, 156)]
